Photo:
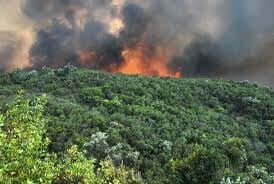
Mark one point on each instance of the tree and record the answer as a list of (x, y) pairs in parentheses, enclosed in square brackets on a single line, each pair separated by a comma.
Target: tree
[(24, 157), (22, 145), (203, 165)]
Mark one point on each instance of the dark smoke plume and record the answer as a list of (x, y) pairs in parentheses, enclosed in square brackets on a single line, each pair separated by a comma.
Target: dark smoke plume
[(200, 58), (60, 40), (214, 38)]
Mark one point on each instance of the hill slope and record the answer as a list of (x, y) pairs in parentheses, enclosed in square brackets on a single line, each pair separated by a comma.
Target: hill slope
[(171, 130)]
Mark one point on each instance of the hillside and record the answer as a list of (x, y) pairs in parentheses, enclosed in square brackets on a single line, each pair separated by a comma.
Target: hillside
[(170, 130)]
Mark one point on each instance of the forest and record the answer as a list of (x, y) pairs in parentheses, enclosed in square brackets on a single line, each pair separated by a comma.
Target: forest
[(72, 125)]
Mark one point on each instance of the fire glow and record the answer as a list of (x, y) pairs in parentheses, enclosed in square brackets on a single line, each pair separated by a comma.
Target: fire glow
[(136, 62), (183, 38)]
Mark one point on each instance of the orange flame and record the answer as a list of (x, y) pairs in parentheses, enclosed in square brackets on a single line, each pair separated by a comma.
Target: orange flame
[(136, 62)]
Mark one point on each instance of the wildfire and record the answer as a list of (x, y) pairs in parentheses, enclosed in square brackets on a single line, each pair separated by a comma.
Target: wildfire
[(87, 58), (136, 62)]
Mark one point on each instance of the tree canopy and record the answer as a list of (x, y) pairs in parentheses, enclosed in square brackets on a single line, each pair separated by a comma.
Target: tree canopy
[(168, 130)]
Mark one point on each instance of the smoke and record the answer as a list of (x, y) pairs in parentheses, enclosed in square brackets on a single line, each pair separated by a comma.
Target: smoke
[(214, 38), (10, 45), (200, 58), (16, 36), (75, 31)]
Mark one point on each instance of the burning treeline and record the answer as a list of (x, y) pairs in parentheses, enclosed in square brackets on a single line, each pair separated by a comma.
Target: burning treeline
[(151, 37)]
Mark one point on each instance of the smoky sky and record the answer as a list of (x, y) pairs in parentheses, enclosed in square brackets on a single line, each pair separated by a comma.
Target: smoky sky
[(213, 38), (10, 43)]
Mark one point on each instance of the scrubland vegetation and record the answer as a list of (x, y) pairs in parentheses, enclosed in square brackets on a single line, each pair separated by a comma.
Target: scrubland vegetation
[(74, 125)]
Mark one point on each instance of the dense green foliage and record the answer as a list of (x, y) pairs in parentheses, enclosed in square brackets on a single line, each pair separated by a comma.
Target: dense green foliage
[(24, 157), (170, 130)]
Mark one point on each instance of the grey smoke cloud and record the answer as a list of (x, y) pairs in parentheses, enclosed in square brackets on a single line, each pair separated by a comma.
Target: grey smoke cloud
[(213, 38), (9, 45)]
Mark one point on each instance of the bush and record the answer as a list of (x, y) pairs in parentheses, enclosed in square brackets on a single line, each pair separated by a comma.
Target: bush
[(24, 156)]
